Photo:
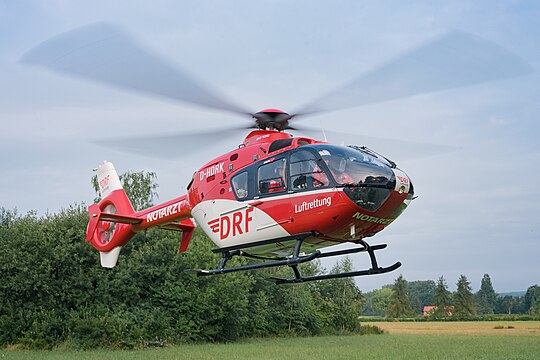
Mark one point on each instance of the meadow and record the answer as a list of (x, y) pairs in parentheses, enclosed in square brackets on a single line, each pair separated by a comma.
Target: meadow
[(429, 340)]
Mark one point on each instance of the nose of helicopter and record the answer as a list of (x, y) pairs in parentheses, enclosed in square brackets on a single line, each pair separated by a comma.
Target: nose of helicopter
[(381, 185), (403, 183)]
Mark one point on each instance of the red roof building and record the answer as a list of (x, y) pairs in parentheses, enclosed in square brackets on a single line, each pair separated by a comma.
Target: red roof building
[(429, 310)]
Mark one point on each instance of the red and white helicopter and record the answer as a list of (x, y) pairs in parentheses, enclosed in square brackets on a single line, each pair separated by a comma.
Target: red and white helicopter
[(275, 198)]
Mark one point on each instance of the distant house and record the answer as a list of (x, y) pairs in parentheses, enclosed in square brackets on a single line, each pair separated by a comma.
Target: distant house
[(429, 310)]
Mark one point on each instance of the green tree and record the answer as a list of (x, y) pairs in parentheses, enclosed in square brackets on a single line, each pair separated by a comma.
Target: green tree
[(535, 308), (345, 298), (463, 298), (532, 294), (378, 302), (140, 188), (486, 297), (399, 301), (442, 299), (421, 294), (506, 304), (298, 309)]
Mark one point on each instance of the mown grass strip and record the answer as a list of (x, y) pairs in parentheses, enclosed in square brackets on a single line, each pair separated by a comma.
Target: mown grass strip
[(401, 346)]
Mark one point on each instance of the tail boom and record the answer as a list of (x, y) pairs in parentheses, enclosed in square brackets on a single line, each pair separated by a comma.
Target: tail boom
[(163, 214), (113, 222)]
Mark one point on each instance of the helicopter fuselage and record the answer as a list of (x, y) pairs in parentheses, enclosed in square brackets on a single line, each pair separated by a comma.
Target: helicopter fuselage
[(274, 185)]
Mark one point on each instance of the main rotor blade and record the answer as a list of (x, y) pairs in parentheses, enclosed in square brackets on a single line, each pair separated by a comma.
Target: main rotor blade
[(171, 146), (104, 53), (395, 149), (453, 60), (174, 146)]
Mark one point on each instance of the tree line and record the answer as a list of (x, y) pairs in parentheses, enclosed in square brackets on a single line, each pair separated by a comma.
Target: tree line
[(54, 292), (403, 298)]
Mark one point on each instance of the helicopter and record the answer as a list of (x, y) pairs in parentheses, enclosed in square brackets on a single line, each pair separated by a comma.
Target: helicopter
[(275, 198)]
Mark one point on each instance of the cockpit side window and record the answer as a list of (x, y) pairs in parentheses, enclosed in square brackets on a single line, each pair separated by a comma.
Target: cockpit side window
[(272, 177), (305, 172), (240, 185)]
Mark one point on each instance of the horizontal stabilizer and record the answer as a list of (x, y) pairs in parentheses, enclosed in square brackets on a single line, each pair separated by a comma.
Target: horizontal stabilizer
[(120, 218)]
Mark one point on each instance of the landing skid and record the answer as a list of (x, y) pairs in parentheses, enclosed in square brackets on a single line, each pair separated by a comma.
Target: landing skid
[(296, 259)]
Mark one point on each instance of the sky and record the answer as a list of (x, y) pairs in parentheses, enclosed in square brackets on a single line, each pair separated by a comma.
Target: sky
[(478, 203)]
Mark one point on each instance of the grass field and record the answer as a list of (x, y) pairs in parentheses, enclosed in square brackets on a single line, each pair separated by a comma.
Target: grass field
[(404, 341)]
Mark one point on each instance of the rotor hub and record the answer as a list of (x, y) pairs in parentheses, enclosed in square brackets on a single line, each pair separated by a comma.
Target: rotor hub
[(272, 119)]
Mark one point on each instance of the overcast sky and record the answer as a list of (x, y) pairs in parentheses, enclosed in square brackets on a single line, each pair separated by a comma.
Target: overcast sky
[(478, 206)]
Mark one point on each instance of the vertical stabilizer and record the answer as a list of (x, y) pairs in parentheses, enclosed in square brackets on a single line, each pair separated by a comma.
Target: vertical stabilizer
[(108, 179), (109, 259)]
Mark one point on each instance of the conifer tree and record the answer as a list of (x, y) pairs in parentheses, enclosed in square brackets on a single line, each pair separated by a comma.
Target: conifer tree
[(463, 298), (486, 297), (442, 299), (399, 301)]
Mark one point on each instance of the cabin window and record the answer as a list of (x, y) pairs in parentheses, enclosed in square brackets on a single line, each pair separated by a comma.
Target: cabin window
[(279, 144), (272, 177), (240, 185), (305, 172)]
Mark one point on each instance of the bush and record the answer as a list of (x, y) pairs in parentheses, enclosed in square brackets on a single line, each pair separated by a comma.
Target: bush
[(370, 330), (55, 295), (104, 330), (46, 331)]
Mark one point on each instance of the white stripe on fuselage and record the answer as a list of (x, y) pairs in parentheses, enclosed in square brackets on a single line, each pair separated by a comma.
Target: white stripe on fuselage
[(231, 222)]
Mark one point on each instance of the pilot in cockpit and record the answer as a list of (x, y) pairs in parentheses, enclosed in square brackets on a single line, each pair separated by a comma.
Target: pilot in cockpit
[(277, 184), (338, 166)]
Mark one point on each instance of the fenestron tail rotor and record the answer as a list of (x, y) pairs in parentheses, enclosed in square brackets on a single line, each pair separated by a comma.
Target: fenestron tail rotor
[(106, 229)]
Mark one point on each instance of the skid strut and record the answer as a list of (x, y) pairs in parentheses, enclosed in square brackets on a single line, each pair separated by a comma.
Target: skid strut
[(296, 259)]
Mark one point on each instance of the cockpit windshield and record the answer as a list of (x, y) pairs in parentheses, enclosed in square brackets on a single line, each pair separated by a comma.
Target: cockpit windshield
[(350, 166), (367, 179)]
